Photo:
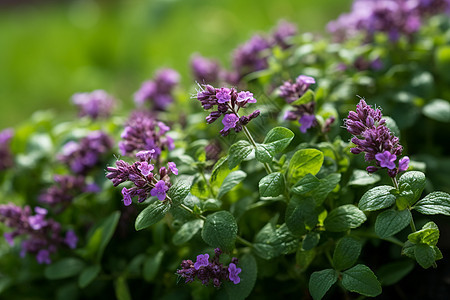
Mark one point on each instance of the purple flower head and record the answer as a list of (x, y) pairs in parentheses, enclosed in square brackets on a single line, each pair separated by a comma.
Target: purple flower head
[(305, 80), (202, 261), (403, 164), (160, 190), (223, 95), (63, 191), (245, 97), (145, 92), (9, 237), (205, 70), (292, 91), (97, 104), (43, 257), (233, 273), (71, 239), (229, 121), (283, 33), (126, 197), (145, 168), (386, 159), (250, 57), (6, 160), (173, 167), (306, 121)]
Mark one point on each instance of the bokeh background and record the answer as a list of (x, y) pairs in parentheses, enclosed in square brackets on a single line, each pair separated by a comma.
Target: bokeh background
[(51, 49)]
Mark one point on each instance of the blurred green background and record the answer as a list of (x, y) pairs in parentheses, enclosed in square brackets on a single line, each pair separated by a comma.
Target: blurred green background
[(51, 49)]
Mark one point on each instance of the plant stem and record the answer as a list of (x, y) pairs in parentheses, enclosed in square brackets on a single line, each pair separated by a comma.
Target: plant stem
[(243, 241), (372, 235), (413, 227), (252, 141)]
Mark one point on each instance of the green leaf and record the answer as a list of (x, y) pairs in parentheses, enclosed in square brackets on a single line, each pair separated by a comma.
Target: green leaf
[(248, 275), (311, 240), (220, 170), (377, 198), (408, 249), (434, 203), (64, 268), (343, 218), (363, 178), (429, 235), (88, 275), (121, 289), (438, 110), (233, 179), (200, 188), (362, 280), (425, 255), (306, 98), (179, 191), (301, 215), (392, 273), (304, 258), (220, 230), (271, 242), (412, 181), (238, 152), (151, 214), (151, 265), (346, 253), (308, 183), (271, 185), (187, 232), (327, 185), (320, 282), (391, 222), (275, 142), (303, 162)]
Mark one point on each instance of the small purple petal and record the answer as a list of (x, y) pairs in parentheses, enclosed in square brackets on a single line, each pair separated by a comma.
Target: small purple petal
[(202, 261), (233, 273), (403, 164), (386, 159), (145, 168), (223, 95), (9, 237), (306, 121), (159, 190), (229, 121), (71, 239), (126, 197), (173, 167), (43, 256)]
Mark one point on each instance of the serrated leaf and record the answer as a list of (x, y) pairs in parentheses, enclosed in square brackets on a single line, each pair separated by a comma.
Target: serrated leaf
[(429, 235), (64, 268), (363, 178), (392, 273), (179, 191), (377, 198), (220, 230), (362, 280), (391, 222), (300, 214), (238, 152), (412, 181), (343, 218), (248, 278), (306, 98), (271, 185), (187, 231), (271, 242), (346, 253), (151, 214), (438, 110), (311, 240), (303, 162), (151, 265), (320, 282), (88, 275), (434, 203), (306, 184), (425, 255), (233, 179)]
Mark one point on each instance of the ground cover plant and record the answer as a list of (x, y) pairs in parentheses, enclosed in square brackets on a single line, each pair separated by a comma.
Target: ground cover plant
[(310, 167)]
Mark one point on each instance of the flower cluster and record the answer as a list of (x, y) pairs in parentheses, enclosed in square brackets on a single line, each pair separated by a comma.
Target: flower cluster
[(85, 154), (144, 132), (63, 191), (145, 182), (97, 104), (228, 102), (6, 160), (371, 136), (42, 234), (159, 90), (210, 270), (205, 70)]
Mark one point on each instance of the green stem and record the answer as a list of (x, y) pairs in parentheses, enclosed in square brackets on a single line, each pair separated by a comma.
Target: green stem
[(252, 141), (207, 183), (243, 241), (413, 226), (391, 239)]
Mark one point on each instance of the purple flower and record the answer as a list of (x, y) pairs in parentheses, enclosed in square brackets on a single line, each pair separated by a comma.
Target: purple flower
[(9, 237), (223, 95), (43, 256), (403, 164), (229, 121), (233, 273), (71, 239), (305, 80), (145, 155), (205, 70), (246, 97), (386, 159), (6, 160), (159, 190), (63, 191), (306, 121), (145, 168), (173, 167), (97, 104), (37, 222), (292, 91), (126, 197), (250, 57), (202, 261), (283, 33)]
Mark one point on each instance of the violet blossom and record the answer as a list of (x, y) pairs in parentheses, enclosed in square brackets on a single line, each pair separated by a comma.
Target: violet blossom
[(283, 33), (63, 191), (97, 104), (6, 160), (205, 70)]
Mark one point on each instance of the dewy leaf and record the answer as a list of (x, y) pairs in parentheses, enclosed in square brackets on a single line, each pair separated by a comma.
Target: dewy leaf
[(306, 184), (271, 242), (326, 185), (363, 178), (238, 152), (391, 222), (233, 179), (425, 255), (220, 168), (249, 268), (306, 98), (220, 230), (151, 214), (88, 275), (275, 142), (362, 280), (320, 282), (438, 110), (346, 253), (377, 198), (301, 213), (414, 181), (187, 231), (343, 218), (271, 185), (303, 162), (179, 191), (429, 234), (393, 272), (64, 268), (434, 203)]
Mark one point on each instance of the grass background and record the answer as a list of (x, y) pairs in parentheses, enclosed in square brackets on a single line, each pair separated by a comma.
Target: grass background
[(50, 50)]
